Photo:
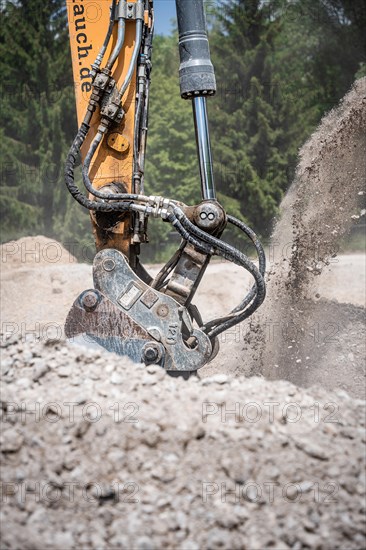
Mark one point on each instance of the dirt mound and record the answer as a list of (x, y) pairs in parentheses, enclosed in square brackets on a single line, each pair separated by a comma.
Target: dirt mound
[(35, 302), (296, 335), (318, 343), (36, 251), (100, 453), (33, 299), (316, 213)]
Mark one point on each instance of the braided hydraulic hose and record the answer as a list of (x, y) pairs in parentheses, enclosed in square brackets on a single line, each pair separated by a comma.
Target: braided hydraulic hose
[(253, 237), (103, 49), (89, 186), (249, 297), (73, 188), (226, 251), (171, 212), (160, 278)]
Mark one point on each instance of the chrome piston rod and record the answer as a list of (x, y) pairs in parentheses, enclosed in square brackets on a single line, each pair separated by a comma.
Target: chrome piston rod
[(197, 81), (203, 147)]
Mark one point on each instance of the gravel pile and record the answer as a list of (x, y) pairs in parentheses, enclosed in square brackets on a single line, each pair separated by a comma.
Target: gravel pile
[(102, 453)]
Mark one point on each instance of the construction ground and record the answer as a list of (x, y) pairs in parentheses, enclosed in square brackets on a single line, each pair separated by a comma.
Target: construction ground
[(265, 448)]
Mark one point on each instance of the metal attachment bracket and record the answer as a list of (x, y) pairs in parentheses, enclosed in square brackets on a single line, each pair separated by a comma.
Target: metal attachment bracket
[(130, 10), (144, 306)]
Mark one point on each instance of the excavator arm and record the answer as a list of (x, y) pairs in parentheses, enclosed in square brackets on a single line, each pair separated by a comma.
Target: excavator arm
[(152, 320)]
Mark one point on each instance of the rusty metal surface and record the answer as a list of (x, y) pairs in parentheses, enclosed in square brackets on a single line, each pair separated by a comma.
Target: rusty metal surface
[(97, 320), (164, 319), (210, 216), (125, 315), (187, 275), (105, 320)]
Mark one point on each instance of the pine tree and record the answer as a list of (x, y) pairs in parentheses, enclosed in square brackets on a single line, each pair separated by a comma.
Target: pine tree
[(319, 52), (36, 68), (279, 66)]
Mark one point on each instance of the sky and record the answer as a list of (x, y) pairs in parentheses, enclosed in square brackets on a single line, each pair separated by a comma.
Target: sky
[(164, 11)]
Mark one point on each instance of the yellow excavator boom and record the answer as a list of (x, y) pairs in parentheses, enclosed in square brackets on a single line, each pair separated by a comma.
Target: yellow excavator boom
[(152, 320)]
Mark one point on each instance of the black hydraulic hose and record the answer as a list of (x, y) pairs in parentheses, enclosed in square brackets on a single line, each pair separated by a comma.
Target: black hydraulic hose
[(119, 43), (115, 206), (103, 49), (235, 312), (225, 250), (241, 260), (237, 319), (254, 238), (229, 252), (261, 261), (136, 49), (261, 258), (262, 267), (234, 319), (89, 186), (160, 278), (74, 190), (203, 247)]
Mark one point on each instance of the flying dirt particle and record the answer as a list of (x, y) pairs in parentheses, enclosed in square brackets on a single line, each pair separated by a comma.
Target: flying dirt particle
[(313, 224)]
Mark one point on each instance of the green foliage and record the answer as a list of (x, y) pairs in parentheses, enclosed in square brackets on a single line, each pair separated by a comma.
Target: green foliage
[(38, 117), (279, 66)]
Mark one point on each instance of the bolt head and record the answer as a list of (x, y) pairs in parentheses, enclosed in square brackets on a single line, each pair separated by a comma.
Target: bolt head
[(109, 264), (151, 353), (90, 300), (163, 310)]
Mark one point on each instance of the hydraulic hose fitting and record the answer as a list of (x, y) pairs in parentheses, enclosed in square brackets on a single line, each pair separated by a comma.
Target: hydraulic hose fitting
[(196, 72)]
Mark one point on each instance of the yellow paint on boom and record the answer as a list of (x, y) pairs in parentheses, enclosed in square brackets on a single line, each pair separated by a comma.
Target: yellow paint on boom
[(86, 19)]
